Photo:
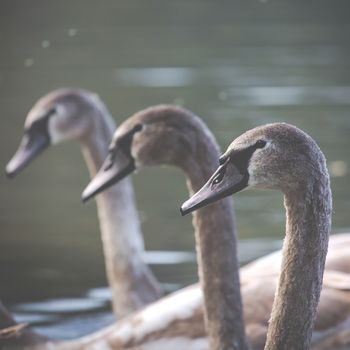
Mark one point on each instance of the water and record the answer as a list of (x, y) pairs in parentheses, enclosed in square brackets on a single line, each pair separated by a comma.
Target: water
[(237, 64)]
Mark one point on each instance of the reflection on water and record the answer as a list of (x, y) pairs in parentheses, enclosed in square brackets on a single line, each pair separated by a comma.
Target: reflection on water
[(155, 77), (237, 65), (169, 257), (61, 305), (76, 326), (289, 95)]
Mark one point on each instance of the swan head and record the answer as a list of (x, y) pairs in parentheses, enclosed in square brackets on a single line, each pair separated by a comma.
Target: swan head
[(275, 156), (158, 135), (63, 114)]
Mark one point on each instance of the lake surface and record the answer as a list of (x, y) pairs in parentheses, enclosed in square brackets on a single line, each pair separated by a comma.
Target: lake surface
[(236, 64)]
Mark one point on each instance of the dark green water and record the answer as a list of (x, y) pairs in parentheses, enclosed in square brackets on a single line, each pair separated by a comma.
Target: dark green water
[(237, 64)]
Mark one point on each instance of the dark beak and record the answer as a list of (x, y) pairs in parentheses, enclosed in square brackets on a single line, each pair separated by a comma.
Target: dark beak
[(115, 168), (226, 180), (32, 145)]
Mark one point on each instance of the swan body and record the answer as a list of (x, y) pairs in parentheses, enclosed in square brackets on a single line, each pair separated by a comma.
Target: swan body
[(177, 320), (166, 324), (338, 258), (75, 114)]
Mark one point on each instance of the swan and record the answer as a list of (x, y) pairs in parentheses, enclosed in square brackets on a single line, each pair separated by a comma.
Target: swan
[(166, 135), (177, 321), (282, 157), (156, 138), (76, 114)]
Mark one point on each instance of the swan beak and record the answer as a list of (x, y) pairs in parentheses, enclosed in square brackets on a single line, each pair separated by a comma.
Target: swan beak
[(114, 169), (226, 180), (30, 147)]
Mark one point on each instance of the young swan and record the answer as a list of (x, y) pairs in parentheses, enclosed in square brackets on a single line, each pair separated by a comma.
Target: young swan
[(177, 321), (74, 114), (174, 136), (281, 157)]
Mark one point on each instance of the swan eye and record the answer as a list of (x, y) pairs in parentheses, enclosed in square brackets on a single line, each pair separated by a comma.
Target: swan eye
[(52, 111), (137, 127), (260, 144), (218, 178)]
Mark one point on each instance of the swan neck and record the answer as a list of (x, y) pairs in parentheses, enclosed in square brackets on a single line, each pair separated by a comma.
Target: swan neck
[(132, 282), (218, 266), (308, 221)]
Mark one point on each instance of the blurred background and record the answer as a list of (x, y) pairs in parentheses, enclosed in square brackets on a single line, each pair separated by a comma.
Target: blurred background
[(237, 64)]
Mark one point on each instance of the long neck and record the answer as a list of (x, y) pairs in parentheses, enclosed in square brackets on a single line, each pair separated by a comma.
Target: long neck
[(132, 282), (304, 254), (218, 266)]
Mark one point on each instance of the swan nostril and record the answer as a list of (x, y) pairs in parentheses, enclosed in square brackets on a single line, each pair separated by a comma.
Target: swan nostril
[(109, 162)]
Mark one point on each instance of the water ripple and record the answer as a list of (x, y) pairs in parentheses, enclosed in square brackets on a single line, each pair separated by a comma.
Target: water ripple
[(155, 77), (288, 95)]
